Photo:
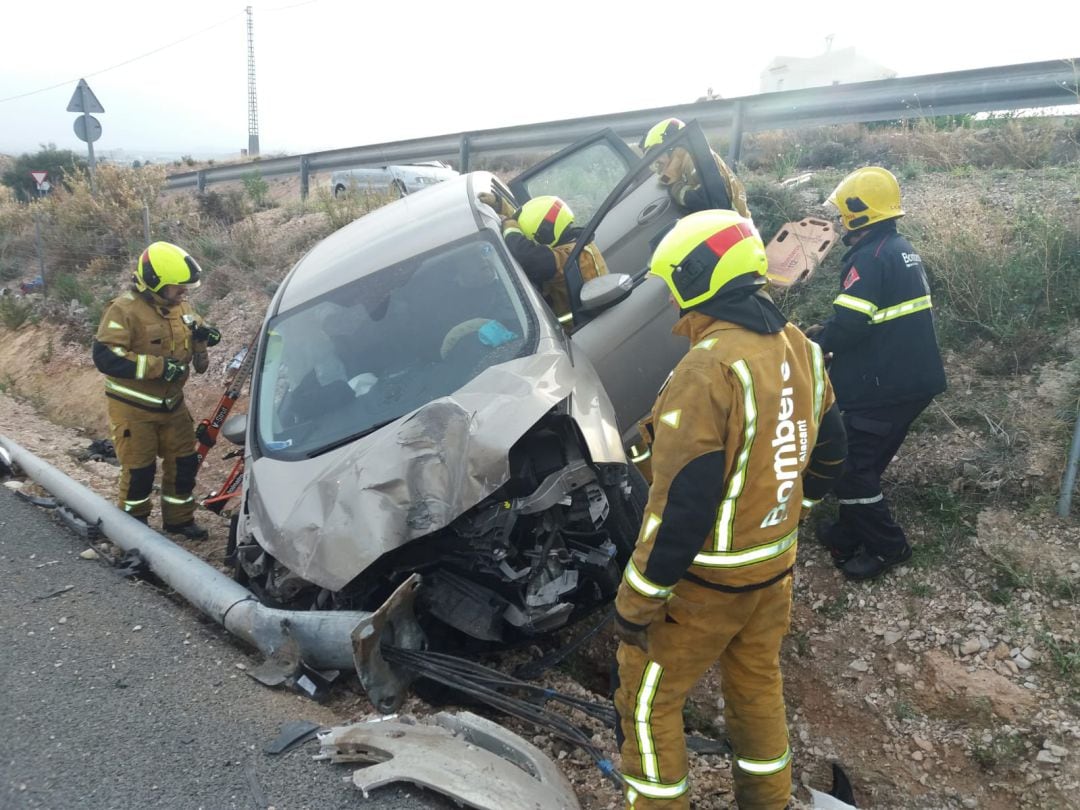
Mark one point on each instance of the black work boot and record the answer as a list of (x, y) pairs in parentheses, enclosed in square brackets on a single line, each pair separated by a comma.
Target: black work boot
[(834, 537), (865, 565), (189, 530)]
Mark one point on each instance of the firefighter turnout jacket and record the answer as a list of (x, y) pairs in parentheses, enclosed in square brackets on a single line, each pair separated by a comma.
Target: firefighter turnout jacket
[(737, 453), (545, 265), (882, 331), (681, 178), (136, 336)]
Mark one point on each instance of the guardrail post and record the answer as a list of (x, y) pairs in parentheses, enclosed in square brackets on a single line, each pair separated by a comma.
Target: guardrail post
[(305, 174), (463, 154), (200, 181), (736, 135)]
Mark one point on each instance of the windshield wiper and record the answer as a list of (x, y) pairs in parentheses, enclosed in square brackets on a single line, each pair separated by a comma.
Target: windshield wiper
[(341, 442)]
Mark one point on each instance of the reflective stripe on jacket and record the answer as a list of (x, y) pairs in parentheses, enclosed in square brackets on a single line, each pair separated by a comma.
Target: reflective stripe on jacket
[(735, 426), (133, 340)]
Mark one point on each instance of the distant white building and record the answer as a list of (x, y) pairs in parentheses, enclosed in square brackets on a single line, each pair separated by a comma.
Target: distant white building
[(841, 66)]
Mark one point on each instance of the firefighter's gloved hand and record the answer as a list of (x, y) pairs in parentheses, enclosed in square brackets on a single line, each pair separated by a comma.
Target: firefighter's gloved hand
[(203, 436), (679, 167), (636, 635), (497, 203), (174, 370), (206, 334)]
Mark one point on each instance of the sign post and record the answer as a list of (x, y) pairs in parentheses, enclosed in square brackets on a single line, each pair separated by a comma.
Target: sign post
[(87, 128)]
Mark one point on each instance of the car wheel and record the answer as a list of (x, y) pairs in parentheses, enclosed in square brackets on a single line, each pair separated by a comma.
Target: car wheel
[(339, 191)]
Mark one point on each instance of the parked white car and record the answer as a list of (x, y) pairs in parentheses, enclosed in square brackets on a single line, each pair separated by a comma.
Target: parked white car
[(398, 180)]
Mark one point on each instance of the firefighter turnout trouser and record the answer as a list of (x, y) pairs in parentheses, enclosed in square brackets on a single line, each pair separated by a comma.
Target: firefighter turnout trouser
[(874, 435), (140, 437), (741, 630)]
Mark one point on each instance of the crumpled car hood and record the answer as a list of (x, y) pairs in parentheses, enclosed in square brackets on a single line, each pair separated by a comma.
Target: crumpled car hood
[(329, 518)]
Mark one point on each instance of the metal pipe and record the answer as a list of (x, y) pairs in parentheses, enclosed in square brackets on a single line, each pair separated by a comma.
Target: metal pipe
[(1069, 484), (323, 636)]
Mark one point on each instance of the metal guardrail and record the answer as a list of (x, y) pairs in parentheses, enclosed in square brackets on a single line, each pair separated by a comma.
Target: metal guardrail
[(1009, 87)]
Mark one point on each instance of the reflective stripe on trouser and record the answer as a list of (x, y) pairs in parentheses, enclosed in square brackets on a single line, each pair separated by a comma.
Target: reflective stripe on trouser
[(874, 435), (742, 631), (140, 438)]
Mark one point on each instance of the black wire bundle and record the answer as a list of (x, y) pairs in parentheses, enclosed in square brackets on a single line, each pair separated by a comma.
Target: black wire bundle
[(487, 685)]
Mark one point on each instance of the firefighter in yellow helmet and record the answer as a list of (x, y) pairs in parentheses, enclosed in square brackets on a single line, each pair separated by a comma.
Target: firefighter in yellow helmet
[(746, 436), (676, 171), (886, 365), (540, 236), (147, 341)]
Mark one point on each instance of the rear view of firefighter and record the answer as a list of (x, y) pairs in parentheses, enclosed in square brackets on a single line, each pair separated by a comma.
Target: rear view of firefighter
[(540, 236), (146, 342), (886, 365), (746, 435), (676, 171)]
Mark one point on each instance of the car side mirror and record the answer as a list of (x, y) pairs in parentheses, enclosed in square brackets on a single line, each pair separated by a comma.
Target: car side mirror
[(605, 291), (235, 428)]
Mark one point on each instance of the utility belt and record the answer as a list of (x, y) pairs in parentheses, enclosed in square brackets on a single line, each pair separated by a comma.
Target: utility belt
[(716, 586), (138, 399)]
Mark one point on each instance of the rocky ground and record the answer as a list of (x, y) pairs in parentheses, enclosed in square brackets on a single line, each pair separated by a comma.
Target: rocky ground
[(954, 682)]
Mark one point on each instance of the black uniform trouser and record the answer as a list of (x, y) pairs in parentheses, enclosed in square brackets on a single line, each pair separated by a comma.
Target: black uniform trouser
[(873, 435)]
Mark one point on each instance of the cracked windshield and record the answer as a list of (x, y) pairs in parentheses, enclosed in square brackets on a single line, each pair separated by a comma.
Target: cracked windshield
[(384, 345)]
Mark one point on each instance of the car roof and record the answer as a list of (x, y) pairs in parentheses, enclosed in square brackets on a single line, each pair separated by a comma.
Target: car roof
[(419, 222)]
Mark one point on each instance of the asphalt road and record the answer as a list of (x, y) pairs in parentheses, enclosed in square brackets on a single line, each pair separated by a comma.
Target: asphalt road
[(115, 696)]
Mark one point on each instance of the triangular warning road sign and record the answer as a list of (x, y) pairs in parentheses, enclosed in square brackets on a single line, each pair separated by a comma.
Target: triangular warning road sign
[(84, 100), (39, 177)]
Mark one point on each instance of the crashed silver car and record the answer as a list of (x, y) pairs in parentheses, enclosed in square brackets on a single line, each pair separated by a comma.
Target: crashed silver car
[(417, 408)]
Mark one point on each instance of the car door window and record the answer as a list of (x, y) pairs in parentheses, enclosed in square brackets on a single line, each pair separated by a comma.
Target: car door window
[(582, 174)]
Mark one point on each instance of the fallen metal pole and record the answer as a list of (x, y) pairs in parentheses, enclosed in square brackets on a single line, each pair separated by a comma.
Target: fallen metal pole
[(324, 637), (1069, 484)]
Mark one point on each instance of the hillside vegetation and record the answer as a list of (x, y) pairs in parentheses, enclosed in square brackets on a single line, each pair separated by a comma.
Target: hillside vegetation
[(954, 681)]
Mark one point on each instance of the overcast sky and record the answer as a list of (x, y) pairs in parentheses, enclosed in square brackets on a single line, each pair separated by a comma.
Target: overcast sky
[(336, 73)]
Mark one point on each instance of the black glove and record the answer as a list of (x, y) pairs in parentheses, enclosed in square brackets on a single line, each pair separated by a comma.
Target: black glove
[(636, 635), (201, 435), (206, 334), (174, 370)]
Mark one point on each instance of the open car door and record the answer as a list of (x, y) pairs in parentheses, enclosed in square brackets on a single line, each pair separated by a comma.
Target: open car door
[(630, 343), (582, 174)]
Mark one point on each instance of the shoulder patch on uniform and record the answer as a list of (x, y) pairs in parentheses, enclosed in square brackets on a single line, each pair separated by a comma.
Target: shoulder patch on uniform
[(115, 325), (851, 277)]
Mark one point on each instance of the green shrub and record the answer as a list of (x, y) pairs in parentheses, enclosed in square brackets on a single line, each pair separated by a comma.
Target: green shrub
[(66, 287), (1016, 275), (226, 208), (12, 313), (61, 164), (258, 190), (772, 205)]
